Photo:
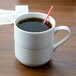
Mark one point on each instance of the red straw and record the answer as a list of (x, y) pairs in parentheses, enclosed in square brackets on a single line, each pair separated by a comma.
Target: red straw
[(48, 14)]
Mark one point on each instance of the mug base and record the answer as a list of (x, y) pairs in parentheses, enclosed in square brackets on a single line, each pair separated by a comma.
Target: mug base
[(33, 58), (33, 65)]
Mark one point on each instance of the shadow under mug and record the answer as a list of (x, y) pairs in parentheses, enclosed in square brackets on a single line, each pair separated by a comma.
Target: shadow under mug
[(36, 48)]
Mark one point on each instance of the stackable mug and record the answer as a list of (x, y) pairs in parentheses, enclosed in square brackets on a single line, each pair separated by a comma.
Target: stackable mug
[(36, 48)]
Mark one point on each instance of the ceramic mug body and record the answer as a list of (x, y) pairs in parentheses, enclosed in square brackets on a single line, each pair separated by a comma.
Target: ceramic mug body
[(36, 48)]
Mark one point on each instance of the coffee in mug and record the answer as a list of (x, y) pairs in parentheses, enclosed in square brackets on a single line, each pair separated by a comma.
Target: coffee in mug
[(34, 24)]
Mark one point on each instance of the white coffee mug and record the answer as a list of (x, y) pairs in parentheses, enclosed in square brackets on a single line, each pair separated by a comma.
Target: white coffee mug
[(36, 48)]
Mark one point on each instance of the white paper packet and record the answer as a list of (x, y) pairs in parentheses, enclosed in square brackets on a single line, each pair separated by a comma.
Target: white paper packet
[(9, 16)]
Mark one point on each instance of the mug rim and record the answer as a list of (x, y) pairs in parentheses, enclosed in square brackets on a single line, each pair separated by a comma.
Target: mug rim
[(30, 17)]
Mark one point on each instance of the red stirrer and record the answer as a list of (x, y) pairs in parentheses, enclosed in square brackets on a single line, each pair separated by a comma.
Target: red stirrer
[(48, 14)]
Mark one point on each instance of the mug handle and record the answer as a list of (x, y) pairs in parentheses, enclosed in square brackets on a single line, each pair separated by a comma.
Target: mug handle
[(63, 40)]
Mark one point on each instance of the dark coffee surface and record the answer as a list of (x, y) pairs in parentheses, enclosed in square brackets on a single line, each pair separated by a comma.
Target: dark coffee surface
[(34, 25)]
